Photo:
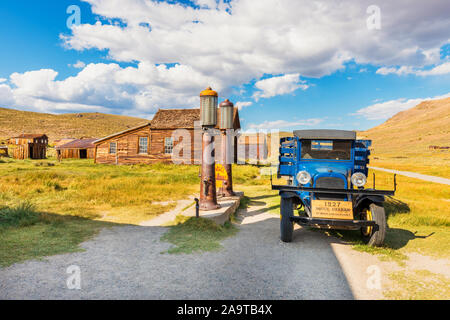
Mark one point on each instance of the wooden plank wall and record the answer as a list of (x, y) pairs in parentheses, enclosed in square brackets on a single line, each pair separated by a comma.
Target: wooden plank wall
[(75, 153), (39, 151), (128, 145)]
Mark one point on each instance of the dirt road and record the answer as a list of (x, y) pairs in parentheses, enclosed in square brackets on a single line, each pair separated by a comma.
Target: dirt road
[(416, 175), (128, 263)]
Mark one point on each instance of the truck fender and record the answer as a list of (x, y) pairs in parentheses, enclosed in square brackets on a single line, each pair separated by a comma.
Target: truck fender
[(369, 198), (288, 194)]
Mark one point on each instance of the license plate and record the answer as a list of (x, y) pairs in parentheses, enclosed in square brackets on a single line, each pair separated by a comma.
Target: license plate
[(326, 209)]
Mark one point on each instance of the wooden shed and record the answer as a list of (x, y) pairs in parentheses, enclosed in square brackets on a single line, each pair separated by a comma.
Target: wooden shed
[(77, 149), (154, 142), (4, 151), (29, 146)]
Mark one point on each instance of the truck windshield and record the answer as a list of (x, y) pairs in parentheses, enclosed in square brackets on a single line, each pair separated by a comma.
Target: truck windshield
[(326, 150)]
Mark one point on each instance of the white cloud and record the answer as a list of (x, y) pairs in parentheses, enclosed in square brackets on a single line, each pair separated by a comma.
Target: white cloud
[(243, 104), (280, 124), (440, 69), (108, 87), (227, 44), (404, 70), (279, 86), (3, 80), (385, 110), (78, 65), (6, 96), (212, 4)]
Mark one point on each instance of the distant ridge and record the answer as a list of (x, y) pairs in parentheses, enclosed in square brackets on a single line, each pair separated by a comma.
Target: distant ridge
[(414, 130), (70, 125)]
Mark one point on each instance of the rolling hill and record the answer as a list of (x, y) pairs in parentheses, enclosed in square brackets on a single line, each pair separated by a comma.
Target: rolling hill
[(94, 125), (405, 141), (414, 130)]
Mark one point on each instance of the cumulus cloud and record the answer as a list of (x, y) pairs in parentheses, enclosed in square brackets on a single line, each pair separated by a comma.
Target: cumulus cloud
[(3, 80), (440, 69), (385, 110), (280, 124), (279, 86), (78, 65), (6, 96), (243, 104), (110, 88), (227, 44)]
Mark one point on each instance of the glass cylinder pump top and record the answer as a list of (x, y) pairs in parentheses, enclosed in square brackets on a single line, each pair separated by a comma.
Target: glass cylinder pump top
[(208, 107)]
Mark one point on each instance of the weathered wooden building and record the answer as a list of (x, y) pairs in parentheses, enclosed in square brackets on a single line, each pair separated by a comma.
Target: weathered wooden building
[(60, 142), (4, 151), (155, 141), (253, 147), (76, 149), (29, 146)]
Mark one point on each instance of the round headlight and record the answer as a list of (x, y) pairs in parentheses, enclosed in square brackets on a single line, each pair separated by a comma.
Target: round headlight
[(303, 177), (359, 179)]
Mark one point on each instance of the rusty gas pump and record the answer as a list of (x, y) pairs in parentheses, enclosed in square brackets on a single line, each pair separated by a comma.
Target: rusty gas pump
[(208, 112), (226, 125)]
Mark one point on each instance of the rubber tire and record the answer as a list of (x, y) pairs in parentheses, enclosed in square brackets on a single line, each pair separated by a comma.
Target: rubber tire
[(376, 238), (286, 225)]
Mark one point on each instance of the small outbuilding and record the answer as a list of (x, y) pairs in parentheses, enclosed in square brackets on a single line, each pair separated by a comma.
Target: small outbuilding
[(76, 149), (4, 151), (29, 146)]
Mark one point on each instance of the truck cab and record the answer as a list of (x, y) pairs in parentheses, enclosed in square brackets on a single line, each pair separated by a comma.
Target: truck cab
[(326, 173)]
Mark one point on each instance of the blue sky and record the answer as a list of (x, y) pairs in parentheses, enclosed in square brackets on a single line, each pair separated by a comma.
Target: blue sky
[(135, 56)]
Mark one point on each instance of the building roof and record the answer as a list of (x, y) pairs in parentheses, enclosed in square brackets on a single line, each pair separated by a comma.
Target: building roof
[(183, 118), (326, 134), (173, 119), (78, 144), (29, 136), (121, 132), (60, 142)]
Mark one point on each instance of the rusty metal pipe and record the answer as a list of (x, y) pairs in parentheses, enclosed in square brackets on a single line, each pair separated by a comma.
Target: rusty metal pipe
[(227, 163), (208, 197)]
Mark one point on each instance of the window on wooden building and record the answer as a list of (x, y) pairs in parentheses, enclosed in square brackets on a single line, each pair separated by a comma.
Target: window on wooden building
[(143, 145), (113, 147), (168, 146)]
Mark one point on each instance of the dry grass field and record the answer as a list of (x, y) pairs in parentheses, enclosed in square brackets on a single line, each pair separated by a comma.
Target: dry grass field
[(48, 207), (95, 125)]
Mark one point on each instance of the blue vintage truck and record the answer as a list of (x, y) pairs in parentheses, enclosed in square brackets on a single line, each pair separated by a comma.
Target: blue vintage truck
[(327, 172)]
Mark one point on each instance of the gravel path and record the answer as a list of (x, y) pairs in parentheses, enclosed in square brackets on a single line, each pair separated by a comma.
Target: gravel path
[(127, 263), (416, 175)]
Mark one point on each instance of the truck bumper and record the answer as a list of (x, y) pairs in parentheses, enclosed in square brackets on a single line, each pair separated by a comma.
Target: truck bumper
[(333, 224)]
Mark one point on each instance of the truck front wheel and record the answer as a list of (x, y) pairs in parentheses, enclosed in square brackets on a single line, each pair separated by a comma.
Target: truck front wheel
[(372, 236), (286, 225)]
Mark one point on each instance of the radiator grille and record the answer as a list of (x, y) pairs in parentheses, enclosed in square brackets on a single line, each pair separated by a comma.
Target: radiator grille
[(330, 183)]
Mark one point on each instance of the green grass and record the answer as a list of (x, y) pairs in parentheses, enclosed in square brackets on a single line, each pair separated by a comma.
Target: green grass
[(190, 235), (24, 214), (28, 234)]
